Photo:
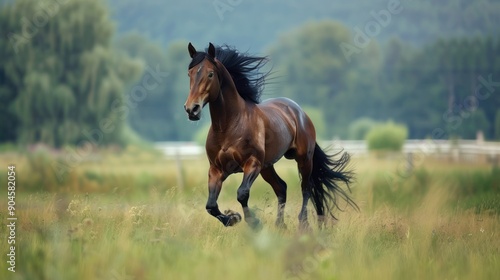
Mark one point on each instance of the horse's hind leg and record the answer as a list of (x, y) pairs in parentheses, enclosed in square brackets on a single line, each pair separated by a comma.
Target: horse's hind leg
[(305, 169), (279, 186), (307, 184)]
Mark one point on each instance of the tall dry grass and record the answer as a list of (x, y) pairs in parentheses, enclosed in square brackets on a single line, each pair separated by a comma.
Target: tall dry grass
[(133, 222)]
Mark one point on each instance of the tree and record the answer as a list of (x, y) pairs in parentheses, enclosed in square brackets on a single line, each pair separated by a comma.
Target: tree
[(448, 84), (60, 79), (310, 60), (160, 116), (314, 71), (420, 22), (151, 116)]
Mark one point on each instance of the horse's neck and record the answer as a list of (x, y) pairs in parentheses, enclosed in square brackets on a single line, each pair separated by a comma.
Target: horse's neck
[(225, 111)]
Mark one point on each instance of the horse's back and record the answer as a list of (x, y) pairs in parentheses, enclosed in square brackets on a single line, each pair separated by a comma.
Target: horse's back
[(290, 110), (286, 105), (287, 122)]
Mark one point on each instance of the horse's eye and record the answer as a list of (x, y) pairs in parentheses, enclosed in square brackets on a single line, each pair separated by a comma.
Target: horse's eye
[(211, 74)]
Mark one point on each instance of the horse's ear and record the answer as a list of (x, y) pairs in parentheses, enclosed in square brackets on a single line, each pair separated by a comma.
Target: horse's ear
[(192, 50), (211, 50)]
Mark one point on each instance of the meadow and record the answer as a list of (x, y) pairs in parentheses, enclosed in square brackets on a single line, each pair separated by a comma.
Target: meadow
[(128, 215)]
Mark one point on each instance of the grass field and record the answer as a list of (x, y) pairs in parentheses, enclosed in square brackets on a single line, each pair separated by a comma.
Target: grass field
[(123, 216)]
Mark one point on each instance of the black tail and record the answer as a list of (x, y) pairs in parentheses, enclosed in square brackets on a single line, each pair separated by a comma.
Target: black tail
[(327, 173)]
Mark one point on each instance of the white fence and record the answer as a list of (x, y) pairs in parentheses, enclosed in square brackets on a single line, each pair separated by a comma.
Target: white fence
[(472, 147), (182, 149), (470, 150)]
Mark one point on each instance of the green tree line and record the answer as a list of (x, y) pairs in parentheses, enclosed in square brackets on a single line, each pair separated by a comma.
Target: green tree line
[(256, 23), (450, 84), (61, 82), (66, 77)]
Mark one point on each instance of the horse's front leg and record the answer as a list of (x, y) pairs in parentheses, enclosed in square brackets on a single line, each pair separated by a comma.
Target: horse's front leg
[(215, 179), (251, 170)]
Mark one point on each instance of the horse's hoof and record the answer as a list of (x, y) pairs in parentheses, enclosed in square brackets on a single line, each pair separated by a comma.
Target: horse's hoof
[(232, 218)]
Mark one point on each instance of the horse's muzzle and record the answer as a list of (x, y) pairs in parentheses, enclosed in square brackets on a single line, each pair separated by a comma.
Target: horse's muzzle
[(194, 117), (194, 113)]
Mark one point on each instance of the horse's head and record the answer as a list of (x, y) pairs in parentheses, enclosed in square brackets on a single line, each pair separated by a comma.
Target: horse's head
[(204, 84)]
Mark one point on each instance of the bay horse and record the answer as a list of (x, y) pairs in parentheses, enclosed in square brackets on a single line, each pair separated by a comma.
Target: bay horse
[(250, 136)]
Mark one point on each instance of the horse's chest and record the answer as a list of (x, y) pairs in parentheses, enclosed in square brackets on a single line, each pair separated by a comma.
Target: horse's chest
[(229, 160), (231, 156)]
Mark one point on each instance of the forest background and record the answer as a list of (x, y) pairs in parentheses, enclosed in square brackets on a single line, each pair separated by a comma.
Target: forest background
[(112, 71)]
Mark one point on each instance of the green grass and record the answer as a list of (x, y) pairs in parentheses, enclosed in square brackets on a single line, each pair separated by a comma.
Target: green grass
[(123, 216)]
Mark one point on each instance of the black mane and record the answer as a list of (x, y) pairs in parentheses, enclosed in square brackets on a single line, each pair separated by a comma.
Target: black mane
[(244, 70)]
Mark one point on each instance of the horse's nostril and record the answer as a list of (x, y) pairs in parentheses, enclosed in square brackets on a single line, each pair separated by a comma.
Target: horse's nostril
[(196, 108)]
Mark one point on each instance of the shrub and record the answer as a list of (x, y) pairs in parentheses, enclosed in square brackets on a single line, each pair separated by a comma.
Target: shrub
[(387, 136)]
